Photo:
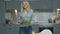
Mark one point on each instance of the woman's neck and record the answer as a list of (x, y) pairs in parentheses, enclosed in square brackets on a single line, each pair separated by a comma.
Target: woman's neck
[(25, 10)]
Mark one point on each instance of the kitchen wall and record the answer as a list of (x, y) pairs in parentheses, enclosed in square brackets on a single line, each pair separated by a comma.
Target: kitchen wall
[(44, 16)]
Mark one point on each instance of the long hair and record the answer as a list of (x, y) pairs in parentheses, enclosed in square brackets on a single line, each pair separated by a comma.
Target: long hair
[(28, 6)]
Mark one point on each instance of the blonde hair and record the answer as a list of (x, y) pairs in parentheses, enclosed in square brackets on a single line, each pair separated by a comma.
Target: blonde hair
[(28, 6)]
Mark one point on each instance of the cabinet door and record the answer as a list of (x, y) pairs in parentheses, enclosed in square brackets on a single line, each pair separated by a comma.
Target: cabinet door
[(12, 29), (35, 28), (11, 5), (56, 29), (3, 29)]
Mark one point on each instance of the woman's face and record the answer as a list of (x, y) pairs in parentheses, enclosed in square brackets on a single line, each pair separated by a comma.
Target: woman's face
[(24, 5)]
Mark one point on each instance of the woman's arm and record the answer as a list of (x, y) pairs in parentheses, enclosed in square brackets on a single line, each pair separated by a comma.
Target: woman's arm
[(32, 17)]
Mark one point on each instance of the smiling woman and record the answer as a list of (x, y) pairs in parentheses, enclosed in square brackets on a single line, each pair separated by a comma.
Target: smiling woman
[(25, 17)]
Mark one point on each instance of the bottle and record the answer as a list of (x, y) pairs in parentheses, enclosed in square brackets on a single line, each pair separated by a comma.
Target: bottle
[(36, 19)]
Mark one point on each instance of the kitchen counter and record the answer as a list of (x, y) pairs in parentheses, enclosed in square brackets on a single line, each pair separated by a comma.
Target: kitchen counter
[(22, 25), (35, 27), (48, 25)]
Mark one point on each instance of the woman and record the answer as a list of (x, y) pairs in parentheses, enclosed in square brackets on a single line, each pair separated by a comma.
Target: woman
[(25, 18)]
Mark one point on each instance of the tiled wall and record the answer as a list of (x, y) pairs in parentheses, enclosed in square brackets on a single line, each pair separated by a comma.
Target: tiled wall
[(43, 18)]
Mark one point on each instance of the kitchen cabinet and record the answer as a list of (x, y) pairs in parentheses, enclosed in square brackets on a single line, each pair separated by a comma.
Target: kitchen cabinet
[(2, 12), (56, 29), (14, 29), (3, 29), (12, 5)]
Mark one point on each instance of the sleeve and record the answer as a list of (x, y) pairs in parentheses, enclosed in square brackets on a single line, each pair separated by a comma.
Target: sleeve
[(32, 17), (19, 18)]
